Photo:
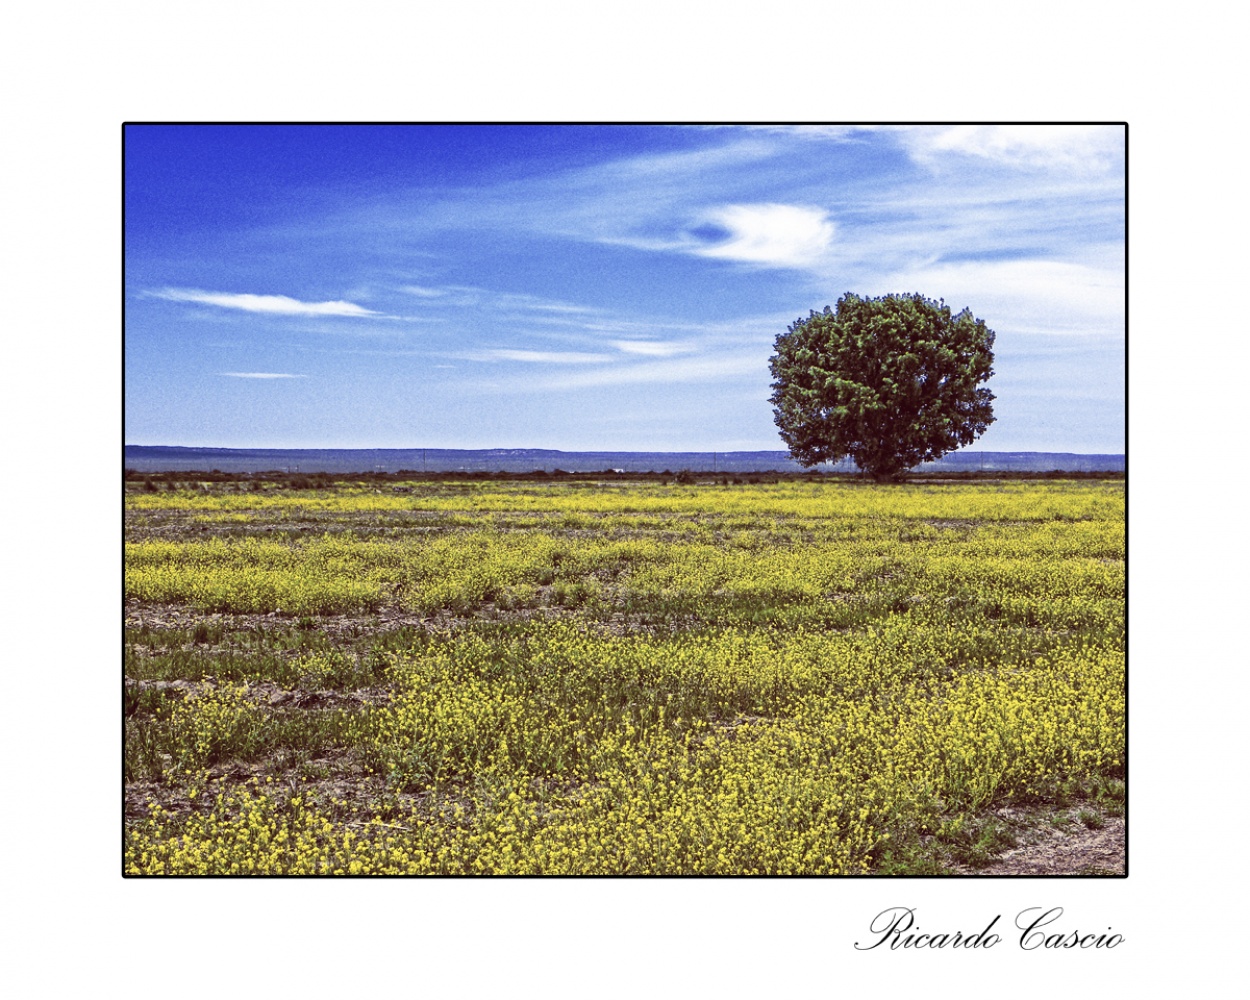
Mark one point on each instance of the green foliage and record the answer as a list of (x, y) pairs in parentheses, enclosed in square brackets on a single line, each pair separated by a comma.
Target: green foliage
[(888, 382)]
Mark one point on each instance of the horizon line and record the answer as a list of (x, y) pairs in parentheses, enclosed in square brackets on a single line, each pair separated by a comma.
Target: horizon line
[(591, 451)]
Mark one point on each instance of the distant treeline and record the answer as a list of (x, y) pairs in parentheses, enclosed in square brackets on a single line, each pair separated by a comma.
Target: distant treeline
[(422, 461)]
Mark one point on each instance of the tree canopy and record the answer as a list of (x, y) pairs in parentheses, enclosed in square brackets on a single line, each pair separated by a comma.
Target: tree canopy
[(889, 382)]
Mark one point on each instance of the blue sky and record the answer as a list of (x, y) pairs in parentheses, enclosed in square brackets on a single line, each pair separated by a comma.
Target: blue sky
[(597, 288)]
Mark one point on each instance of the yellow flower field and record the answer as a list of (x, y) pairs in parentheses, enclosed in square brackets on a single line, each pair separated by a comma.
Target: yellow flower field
[(805, 677)]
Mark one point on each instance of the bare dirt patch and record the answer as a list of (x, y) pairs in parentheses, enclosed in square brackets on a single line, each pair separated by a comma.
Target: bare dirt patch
[(1080, 840)]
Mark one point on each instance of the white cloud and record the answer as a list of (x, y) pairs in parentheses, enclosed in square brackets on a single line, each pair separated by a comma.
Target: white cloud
[(1081, 147), (510, 300), (1072, 147), (802, 131), (650, 348), (447, 295), (468, 295), (1026, 296), (686, 370), (281, 305), (259, 375), (540, 357), (777, 235), (422, 292)]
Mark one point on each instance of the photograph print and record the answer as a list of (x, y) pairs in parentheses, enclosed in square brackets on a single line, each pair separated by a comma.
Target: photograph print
[(608, 500)]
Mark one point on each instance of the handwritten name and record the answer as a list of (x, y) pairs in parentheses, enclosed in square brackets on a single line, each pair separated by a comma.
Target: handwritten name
[(896, 928)]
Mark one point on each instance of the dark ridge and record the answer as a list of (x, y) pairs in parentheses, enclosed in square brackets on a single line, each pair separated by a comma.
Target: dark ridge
[(162, 458)]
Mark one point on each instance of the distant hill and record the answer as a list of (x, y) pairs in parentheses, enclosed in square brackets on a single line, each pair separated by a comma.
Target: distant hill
[(160, 458)]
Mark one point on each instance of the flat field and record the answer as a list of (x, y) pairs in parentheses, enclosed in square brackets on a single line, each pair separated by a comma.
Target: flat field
[(622, 676)]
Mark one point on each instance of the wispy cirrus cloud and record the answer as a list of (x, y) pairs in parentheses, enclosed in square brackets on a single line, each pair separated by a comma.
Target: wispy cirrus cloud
[(1028, 296), (1067, 147), (651, 348), (445, 296), (536, 304), (260, 375), (539, 357), (690, 370), (456, 296), (280, 305), (423, 292), (1029, 146)]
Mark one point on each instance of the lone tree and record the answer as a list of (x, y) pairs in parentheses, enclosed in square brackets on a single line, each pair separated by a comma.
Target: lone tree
[(890, 382)]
